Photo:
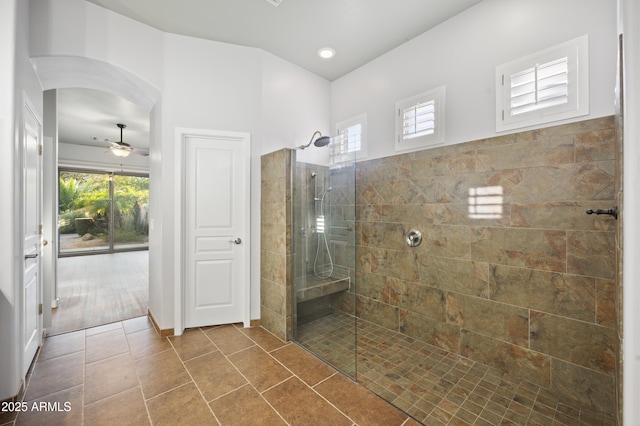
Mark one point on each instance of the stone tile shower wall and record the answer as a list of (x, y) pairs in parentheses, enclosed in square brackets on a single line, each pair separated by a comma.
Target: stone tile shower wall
[(275, 244), (511, 271)]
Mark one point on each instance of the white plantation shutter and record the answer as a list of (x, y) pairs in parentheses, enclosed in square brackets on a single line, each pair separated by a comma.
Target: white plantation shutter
[(350, 140), (547, 86), (420, 120), (541, 86)]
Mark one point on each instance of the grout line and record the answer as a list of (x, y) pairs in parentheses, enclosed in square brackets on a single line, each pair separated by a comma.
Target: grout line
[(248, 382), (191, 377), (135, 368)]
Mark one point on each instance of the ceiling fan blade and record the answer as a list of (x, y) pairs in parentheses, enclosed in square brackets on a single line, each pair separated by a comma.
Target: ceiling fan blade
[(142, 152), (103, 140)]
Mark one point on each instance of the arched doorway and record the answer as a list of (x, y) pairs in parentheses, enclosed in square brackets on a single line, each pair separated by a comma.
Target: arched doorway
[(87, 76)]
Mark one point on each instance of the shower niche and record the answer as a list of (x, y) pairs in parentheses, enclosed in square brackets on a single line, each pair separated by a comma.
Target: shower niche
[(323, 260)]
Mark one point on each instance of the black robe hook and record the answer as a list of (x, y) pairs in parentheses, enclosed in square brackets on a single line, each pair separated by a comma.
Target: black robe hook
[(612, 212)]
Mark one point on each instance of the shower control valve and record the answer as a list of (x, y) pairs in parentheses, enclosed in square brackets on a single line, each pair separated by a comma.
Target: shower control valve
[(413, 238)]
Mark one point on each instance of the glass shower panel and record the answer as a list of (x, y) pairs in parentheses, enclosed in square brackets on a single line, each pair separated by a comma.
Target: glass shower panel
[(323, 202)]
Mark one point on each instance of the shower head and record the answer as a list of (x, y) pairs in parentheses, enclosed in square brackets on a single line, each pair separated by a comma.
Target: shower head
[(320, 142)]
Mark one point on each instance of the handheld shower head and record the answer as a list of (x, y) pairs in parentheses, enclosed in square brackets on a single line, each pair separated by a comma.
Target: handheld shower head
[(320, 142), (326, 192)]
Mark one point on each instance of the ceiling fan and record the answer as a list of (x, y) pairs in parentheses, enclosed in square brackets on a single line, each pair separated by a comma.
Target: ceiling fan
[(120, 148)]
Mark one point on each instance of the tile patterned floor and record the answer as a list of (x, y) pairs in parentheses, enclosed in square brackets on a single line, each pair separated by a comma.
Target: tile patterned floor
[(125, 374), (432, 385)]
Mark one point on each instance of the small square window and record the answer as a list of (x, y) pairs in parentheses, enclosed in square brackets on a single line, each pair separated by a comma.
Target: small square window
[(547, 86), (351, 140), (420, 120)]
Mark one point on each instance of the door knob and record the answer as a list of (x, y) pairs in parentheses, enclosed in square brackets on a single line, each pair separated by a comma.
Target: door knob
[(236, 241)]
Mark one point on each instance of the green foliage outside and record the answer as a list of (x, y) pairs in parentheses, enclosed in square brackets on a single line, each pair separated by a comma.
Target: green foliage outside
[(86, 195)]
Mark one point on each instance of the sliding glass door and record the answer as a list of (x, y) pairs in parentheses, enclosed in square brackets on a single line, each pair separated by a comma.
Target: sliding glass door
[(131, 204), (102, 212)]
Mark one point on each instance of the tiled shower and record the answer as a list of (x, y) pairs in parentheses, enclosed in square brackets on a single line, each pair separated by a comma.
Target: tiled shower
[(512, 276)]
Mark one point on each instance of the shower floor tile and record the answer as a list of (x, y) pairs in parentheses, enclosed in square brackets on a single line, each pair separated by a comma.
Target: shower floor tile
[(434, 386)]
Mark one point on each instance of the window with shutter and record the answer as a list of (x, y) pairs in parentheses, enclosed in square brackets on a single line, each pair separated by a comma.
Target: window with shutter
[(548, 86), (420, 120), (541, 86), (350, 140)]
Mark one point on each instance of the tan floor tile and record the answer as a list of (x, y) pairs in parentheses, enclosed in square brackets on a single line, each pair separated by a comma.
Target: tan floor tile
[(56, 374), (161, 372), (136, 324), (300, 405), (228, 339), (245, 406), (126, 408), (358, 403), (103, 328), (191, 344), (105, 345), (146, 342), (259, 368), (109, 377), (61, 408), (262, 337), (62, 344), (304, 365), (7, 417), (214, 375), (183, 405)]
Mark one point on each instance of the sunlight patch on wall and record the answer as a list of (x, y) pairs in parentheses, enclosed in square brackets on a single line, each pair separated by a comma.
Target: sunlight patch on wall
[(485, 202)]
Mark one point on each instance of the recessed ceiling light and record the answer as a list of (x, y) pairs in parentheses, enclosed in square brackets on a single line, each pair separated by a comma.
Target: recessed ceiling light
[(326, 53)]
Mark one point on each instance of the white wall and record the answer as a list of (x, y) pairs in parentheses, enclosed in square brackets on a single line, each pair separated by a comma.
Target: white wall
[(295, 103), (77, 28), (463, 52), (207, 85), (8, 349)]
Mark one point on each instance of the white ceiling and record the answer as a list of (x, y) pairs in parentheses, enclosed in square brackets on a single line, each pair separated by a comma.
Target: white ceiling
[(85, 113), (358, 30)]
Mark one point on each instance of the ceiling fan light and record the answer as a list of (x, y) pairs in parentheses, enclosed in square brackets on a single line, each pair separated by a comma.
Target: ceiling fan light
[(120, 151)]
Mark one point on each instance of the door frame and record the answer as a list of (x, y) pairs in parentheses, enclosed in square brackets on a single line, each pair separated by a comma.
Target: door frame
[(29, 108), (181, 134)]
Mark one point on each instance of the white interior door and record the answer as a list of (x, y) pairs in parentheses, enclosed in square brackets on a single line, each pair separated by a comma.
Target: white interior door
[(216, 230), (32, 202)]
